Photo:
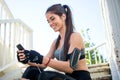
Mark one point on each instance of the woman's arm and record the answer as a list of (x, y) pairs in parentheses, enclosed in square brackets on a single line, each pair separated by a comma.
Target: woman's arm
[(49, 55), (75, 42)]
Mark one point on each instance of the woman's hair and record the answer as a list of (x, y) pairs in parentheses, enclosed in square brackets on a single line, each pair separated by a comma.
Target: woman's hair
[(58, 9)]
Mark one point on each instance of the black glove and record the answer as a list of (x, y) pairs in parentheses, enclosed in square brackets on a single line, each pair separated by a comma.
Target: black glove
[(34, 56), (26, 60), (31, 56)]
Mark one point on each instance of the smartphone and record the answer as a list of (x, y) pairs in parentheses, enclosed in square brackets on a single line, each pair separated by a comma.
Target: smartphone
[(20, 47)]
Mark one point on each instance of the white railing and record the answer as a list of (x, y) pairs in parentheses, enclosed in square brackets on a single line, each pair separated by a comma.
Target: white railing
[(96, 54), (5, 13), (12, 32)]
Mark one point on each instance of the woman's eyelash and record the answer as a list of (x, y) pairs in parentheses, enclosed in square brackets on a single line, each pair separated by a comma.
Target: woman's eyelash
[(52, 18)]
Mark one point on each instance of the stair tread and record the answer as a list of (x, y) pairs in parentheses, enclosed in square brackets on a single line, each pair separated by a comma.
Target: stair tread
[(103, 77), (98, 69), (98, 65)]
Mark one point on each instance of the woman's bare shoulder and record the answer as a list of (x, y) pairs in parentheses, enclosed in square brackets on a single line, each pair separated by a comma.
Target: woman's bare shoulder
[(76, 40), (76, 36)]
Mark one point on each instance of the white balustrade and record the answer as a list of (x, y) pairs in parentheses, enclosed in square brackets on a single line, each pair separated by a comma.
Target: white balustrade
[(97, 54), (13, 32)]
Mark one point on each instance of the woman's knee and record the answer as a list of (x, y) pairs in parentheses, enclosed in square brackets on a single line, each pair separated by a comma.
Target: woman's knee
[(24, 79)]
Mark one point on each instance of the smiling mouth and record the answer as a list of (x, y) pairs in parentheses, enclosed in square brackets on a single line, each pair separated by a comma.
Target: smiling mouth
[(53, 27)]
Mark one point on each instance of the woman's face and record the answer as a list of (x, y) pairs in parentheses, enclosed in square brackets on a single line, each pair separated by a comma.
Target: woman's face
[(56, 22)]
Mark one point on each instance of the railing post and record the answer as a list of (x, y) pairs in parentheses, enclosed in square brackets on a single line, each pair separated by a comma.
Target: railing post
[(4, 41)]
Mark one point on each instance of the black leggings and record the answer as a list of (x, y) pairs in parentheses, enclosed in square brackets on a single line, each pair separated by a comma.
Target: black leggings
[(52, 75), (31, 73), (81, 75), (76, 75)]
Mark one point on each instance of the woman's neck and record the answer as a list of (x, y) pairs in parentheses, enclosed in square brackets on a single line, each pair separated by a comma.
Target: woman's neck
[(62, 32)]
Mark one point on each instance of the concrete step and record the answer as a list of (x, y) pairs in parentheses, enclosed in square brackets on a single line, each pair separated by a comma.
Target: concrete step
[(98, 65), (14, 75), (100, 71), (103, 77), (13, 72)]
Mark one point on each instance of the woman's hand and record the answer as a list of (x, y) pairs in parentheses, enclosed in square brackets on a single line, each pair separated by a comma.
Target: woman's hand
[(26, 56), (21, 56)]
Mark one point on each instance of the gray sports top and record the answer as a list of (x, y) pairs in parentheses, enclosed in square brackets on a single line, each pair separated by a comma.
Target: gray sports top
[(59, 55)]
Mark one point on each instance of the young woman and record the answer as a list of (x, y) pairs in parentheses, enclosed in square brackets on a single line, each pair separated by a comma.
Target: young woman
[(68, 48)]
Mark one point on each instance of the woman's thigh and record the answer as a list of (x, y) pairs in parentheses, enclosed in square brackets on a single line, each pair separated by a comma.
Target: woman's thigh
[(24, 79), (51, 75), (31, 73)]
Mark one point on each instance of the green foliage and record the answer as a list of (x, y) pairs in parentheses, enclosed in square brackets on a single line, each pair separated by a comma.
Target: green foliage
[(86, 44), (92, 57)]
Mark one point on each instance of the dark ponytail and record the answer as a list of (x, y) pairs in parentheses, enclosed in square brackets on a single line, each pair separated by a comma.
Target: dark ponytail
[(69, 29)]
